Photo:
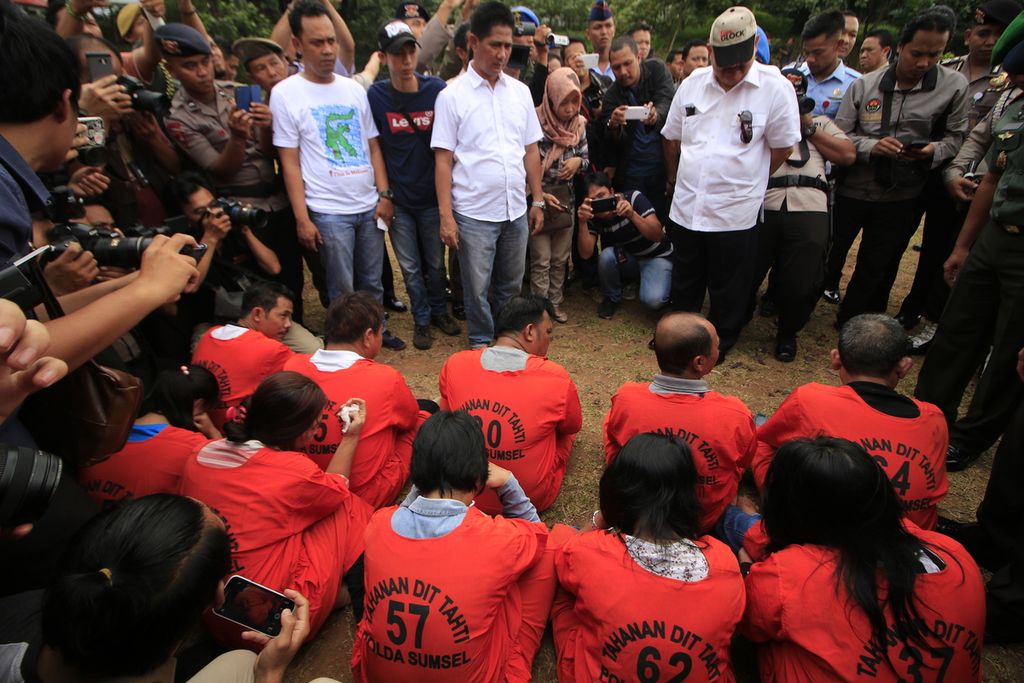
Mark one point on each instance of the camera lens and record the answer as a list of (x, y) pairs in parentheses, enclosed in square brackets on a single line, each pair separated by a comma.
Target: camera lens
[(28, 480), (122, 252)]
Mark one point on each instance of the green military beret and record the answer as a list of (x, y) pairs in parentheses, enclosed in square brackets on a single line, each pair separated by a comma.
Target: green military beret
[(1013, 34)]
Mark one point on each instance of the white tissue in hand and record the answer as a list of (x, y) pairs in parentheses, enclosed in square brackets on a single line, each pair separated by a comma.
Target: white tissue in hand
[(346, 414)]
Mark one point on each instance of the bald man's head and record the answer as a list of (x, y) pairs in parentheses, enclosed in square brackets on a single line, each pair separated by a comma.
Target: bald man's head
[(686, 344)]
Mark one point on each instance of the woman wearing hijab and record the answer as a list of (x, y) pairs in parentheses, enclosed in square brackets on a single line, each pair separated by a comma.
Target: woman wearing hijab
[(563, 151)]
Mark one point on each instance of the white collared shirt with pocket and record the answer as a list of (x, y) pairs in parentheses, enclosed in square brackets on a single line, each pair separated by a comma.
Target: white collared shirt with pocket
[(721, 180)]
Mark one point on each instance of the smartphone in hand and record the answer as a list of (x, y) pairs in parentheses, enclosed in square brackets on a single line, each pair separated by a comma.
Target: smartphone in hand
[(253, 606)]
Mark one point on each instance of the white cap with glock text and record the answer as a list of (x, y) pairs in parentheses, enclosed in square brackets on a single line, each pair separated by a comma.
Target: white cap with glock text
[(734, 36)]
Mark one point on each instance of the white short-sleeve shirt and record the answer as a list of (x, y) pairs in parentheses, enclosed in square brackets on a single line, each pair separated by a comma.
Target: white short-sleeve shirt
[(487, 129), (331, 125), (721, 180)]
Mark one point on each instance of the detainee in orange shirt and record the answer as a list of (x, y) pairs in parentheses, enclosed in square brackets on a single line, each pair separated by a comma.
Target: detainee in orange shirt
[(354, 327), (453, 594), (906, 437), (526, 405), (679, 402), (243, 354)]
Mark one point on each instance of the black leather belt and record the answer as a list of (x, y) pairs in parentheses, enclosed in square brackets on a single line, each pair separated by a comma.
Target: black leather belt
[(798, 181)]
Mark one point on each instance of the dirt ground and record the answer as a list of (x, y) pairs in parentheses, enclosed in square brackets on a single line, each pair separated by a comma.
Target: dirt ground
[(601, 355)]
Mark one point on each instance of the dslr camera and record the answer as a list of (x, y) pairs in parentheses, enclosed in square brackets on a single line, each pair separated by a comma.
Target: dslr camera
[(524, 28), (156, 103), (28, 482), (239, 213)]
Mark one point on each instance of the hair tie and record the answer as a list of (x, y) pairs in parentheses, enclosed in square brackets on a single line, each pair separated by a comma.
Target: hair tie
[(235, 414), (184, 369), (107, 573)]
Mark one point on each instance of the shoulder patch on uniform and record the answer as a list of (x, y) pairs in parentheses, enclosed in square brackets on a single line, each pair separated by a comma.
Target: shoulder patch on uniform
[(177, 131)]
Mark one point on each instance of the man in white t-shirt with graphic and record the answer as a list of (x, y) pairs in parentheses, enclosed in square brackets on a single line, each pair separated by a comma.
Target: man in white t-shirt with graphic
[(333, 167)]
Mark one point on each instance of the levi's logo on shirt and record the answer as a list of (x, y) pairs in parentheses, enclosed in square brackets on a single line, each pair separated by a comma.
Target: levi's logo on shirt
[(399, 124)]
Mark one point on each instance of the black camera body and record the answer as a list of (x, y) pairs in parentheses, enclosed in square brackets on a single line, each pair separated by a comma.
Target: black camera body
[(241, 214), (156, 103), (525, 28)]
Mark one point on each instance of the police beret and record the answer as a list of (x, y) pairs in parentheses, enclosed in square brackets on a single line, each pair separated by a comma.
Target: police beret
[(999, 12), (1014, 62), (411, 10), (248, 49), (178, 40)]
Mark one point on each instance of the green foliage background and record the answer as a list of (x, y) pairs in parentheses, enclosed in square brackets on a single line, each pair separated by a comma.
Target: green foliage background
[(674, 21)]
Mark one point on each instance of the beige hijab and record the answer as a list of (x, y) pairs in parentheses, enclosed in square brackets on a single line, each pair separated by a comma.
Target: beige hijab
[(561, 83)]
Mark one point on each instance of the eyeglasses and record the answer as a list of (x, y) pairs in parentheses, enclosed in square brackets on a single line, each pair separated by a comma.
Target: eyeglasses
[(746, 126)]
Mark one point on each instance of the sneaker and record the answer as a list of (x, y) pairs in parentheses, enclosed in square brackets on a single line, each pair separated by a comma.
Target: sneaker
[(629, 291), (458, 310), (920, 342), (785, 348), (446, 324), (831, 296), (392, 342), (606, 309), (421, 338)]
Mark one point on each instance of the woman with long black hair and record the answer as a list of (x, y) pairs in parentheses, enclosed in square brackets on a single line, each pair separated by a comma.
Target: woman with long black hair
[(645, 596), (292, 524), (850, 591)]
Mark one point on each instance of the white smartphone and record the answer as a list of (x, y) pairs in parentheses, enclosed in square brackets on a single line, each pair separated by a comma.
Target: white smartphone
[(637, 113), (590, 60)]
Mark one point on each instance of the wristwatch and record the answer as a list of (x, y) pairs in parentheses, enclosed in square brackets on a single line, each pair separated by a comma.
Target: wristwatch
[(808, 131), (387, 194)]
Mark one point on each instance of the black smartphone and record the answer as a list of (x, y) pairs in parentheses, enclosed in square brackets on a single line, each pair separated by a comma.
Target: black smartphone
[(100, 64), (253, 606), (917, 145), (604, 203)]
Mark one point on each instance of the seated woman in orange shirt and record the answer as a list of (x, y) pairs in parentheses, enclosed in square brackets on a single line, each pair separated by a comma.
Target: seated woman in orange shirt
[(851, 591), (173, 425), (292, 525), (645, 596)]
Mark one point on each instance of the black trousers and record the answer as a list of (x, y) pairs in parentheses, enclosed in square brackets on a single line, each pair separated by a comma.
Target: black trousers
[(720, 264), (942, 220), (887, 229), (986, 306), (652, 186), (792, 244)]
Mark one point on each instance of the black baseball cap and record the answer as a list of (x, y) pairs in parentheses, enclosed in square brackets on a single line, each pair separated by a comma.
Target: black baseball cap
[(393, 35)]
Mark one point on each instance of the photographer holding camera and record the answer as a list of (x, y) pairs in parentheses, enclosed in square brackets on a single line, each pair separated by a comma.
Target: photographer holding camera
[(793, 235)]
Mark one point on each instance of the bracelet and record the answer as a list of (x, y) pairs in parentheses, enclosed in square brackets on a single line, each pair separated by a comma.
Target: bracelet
[(538, 205), (75, 15)]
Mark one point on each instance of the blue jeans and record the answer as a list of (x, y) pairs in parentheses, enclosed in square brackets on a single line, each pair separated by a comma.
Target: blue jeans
[(492, 257), (733, 525), (416, 239), (655, 275), (352, 253)]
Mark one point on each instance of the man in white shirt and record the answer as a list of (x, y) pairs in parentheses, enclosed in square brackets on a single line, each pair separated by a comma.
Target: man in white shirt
[(331, 160), (733, 124), (485, 144)]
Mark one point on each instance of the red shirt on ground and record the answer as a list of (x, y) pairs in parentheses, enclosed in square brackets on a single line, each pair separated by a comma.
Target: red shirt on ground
[(381, 463), (625, 623), (718, 429), (240, 359), (291, 524), (144, 466), (445, 608), (912, 451), (529, 418), (810, 633)]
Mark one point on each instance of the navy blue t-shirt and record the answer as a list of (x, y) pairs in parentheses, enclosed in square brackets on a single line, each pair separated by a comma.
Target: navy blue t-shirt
[(407, 154)]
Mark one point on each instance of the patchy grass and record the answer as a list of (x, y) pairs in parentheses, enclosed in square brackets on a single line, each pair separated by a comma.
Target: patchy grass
[(601, 355)]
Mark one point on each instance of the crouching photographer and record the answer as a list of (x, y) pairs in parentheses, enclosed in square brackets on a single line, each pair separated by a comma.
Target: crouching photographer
[(38, 102), (238, 236)]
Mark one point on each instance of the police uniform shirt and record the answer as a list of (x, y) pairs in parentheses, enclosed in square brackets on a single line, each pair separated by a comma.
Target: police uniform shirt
[(1007, 159), (828, 93), (983, 90), (914, 112), (201, 130), (975, 148), (804, 198)]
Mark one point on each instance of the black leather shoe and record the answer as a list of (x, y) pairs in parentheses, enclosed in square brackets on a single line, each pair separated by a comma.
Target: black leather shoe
[(958, 460), (831, 296), (908, 320), (458, 311), (395, 304), (785, 349), (768, 309)]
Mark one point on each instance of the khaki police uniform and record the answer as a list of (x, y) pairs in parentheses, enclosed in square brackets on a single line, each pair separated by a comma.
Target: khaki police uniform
[(879, 194), (983, 91), (985, 306)]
